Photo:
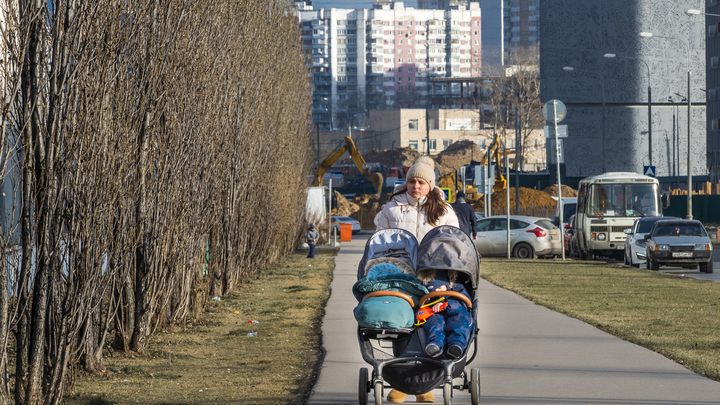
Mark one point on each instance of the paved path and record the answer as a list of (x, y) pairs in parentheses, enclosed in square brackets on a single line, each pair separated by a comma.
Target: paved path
[(528, 355)]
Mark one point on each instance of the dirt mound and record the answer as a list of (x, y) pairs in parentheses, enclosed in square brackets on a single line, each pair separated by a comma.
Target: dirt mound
[(459, 154), (392, 157), (344, 207), (530, 199), (369, 206), (567, 191)]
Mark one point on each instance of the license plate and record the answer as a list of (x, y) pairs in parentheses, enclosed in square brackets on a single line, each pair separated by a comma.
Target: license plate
[(682, 254), (553, 237)]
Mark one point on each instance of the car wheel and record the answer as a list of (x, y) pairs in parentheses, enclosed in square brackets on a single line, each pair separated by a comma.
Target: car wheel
[(625, 258), (630, 262), (706, 267), (652, 264), (523, 251)]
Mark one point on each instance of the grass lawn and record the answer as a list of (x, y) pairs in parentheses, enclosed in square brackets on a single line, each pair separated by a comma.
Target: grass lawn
[(215, 362), (676, 316)]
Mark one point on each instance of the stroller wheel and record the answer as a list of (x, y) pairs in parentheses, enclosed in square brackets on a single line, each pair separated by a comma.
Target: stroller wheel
[(475, 386), (378, 392), (363, 387)]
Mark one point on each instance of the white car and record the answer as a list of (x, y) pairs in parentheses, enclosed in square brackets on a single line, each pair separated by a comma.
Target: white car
[(635, 241), (336, 221), (530, 237)]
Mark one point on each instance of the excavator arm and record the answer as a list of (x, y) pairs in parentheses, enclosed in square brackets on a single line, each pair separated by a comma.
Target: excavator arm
[(376, 179), (327, 163)]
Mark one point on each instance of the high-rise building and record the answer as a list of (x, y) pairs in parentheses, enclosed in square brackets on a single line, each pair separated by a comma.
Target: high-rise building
[(521, 25), (442, 4), (600, 58), (493, 35), (383, 58)]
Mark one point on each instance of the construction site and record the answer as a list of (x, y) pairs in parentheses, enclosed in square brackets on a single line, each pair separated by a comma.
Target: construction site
[(364, 206)]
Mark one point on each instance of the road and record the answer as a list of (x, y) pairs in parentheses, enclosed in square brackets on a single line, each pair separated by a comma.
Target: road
[(528, 355)]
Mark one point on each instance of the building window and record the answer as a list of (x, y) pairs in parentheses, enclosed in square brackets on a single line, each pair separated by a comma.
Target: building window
[(446, 143), (413, 126), (413, 143), (433, 144)]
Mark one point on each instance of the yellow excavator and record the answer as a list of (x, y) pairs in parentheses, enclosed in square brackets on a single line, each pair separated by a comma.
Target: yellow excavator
[(496, 155), (376, 179)]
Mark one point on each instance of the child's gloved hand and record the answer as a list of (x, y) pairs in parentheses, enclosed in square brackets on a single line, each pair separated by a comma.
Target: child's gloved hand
[(441, 288), (437, 307)]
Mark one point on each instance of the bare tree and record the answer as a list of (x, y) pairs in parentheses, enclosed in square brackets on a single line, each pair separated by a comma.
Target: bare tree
[(515, 90), (137, 137)]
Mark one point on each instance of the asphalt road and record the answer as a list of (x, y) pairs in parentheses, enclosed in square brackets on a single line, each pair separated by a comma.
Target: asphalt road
[(527, 355)]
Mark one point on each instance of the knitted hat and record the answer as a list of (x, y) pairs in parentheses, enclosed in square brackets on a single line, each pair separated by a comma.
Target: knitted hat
[(424, 169)]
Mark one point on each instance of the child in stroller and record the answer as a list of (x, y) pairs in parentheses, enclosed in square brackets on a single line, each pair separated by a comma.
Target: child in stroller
[(451, 323), (396, 351)]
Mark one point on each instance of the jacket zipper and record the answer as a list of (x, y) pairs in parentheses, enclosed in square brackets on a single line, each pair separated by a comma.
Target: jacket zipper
[(417, 223)]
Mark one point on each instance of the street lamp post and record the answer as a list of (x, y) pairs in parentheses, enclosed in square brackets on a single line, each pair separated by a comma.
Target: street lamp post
[(602, 86), (332, 123), (689, 113)]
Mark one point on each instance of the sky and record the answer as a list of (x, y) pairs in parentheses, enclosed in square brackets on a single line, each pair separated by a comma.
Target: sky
[(353, 4)]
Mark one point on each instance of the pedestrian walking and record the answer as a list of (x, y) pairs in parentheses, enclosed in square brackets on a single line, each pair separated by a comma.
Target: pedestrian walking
[(417, 206), (466, 215), (312, 237)]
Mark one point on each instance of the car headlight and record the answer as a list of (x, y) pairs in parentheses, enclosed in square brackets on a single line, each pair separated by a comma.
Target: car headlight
[(641, 242), (601, 236), (701, 246), (662, 247)]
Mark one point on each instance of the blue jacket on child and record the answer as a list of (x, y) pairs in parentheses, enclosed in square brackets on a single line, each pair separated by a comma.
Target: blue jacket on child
[(453, 326)]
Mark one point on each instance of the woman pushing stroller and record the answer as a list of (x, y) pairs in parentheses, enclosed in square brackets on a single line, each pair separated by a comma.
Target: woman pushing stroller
[(417, 207)]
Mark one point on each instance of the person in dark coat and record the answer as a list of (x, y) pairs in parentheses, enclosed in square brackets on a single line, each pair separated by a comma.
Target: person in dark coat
[(466, 215), (312, 237)]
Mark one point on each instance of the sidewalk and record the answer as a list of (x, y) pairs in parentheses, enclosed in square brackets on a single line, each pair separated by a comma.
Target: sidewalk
[(527, 355)]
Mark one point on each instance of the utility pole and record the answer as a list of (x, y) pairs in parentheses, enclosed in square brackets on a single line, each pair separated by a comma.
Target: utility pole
[(517, 166)]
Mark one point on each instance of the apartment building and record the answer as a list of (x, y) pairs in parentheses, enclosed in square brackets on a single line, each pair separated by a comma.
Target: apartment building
[(362, 60), (508, 26), (521, 25)]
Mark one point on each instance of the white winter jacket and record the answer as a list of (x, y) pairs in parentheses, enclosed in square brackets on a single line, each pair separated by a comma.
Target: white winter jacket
[(408, 213)]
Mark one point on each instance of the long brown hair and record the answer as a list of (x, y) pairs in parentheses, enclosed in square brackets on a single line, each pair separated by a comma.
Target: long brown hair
[(435, 205)]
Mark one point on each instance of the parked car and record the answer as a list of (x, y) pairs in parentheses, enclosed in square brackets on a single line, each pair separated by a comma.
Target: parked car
[(635, 240), (568, 234), (530, 237), (336, 221), (679, 242)]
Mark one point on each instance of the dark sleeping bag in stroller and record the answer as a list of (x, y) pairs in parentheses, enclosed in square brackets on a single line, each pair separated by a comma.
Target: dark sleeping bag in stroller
[(386, 312)]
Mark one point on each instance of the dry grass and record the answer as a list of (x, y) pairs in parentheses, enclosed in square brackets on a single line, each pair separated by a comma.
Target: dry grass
[(215, 362), (675, 316)]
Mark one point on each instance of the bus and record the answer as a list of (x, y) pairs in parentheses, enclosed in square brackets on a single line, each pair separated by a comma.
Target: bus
[(609, 203)]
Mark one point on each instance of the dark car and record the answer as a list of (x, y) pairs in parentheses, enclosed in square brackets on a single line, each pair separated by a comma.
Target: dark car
[(681, 243)]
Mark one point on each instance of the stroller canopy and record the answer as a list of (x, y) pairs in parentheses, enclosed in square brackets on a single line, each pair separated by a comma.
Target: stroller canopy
[(449, 248), (390, 243)]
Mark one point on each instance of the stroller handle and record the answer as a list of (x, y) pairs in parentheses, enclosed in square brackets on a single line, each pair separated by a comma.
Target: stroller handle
[(392, 294), (453, 294)]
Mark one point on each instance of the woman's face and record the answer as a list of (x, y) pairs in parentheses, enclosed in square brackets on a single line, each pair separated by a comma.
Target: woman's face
[(417, 187)]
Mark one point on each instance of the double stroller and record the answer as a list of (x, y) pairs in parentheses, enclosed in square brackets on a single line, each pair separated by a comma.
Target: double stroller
[(387, 334)]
